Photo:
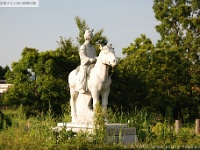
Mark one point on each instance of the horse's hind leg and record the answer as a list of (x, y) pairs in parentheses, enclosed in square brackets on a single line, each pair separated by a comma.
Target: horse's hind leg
[(74, 95)]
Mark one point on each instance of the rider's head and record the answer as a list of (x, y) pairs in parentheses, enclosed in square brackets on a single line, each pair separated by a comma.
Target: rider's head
[(88, 35)]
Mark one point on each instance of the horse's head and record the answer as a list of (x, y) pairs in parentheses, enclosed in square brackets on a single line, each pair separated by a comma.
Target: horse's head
[(108, 56)]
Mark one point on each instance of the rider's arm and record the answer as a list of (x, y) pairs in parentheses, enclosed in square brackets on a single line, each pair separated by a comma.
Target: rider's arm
[(83, 56)]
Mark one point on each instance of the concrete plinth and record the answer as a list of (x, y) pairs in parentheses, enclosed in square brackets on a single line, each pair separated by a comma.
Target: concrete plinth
[(116, 133), (74, 127), (120, 133)]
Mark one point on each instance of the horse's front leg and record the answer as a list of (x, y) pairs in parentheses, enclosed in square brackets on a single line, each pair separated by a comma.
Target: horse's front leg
[(95, 96), (105, 104)]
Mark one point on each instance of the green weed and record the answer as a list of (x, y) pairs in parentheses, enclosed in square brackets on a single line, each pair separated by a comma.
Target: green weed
[(36, 132)]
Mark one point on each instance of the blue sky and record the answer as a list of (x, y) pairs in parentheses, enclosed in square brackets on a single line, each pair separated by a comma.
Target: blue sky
[(40, 27)]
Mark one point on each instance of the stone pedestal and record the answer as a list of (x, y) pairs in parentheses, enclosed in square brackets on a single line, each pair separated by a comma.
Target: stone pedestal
[(74, 127), (116, 133), (120, 133), (83, 109)]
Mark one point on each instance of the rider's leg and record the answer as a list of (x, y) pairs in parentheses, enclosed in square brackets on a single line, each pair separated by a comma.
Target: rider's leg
[(82, 78)]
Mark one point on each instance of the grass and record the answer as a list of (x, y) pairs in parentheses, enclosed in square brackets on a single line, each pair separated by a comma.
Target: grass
[(35, 132), (155, 130)]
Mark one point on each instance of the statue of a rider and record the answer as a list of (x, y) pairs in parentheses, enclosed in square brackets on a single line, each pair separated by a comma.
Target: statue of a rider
[(88, 56)]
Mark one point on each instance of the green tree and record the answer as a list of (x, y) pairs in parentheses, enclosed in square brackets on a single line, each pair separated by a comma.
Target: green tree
[(49, 86), (40, 79), (130, 77), (165, 75), (20, 77), (3, 71), (179, 29), (98, 38)]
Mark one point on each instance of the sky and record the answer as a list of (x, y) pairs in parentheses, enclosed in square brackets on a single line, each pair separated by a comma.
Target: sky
[(40, 27)]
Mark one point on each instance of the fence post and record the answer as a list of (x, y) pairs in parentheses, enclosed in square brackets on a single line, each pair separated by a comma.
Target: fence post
[(197, 126), (177, 125)]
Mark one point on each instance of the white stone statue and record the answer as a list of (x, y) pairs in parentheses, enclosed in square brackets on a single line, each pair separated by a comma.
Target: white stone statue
[(88, 55), (98, 82)]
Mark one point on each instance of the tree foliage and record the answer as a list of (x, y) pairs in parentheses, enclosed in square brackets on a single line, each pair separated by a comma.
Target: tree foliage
[(131, 71), (161, 77), (45, 84), (165, 75), (40, 79), (3, 71), (180, 38), (98, 38)]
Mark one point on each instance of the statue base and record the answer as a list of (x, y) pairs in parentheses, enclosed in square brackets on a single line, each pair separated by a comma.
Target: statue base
[(84, 113), (116, 133)]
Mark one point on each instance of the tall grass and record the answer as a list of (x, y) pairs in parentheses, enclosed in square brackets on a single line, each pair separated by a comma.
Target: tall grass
[(155, 129), (28, 133), (36, 132)]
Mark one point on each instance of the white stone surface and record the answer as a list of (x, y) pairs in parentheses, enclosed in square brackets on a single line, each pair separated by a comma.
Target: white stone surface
[(88, 56), (84, 113), (98, 83)]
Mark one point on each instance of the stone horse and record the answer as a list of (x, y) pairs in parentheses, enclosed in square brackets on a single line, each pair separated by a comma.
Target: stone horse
[(98, 80)]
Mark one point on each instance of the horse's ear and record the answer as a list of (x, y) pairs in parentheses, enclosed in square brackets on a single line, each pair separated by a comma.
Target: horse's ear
[(111, 47)]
